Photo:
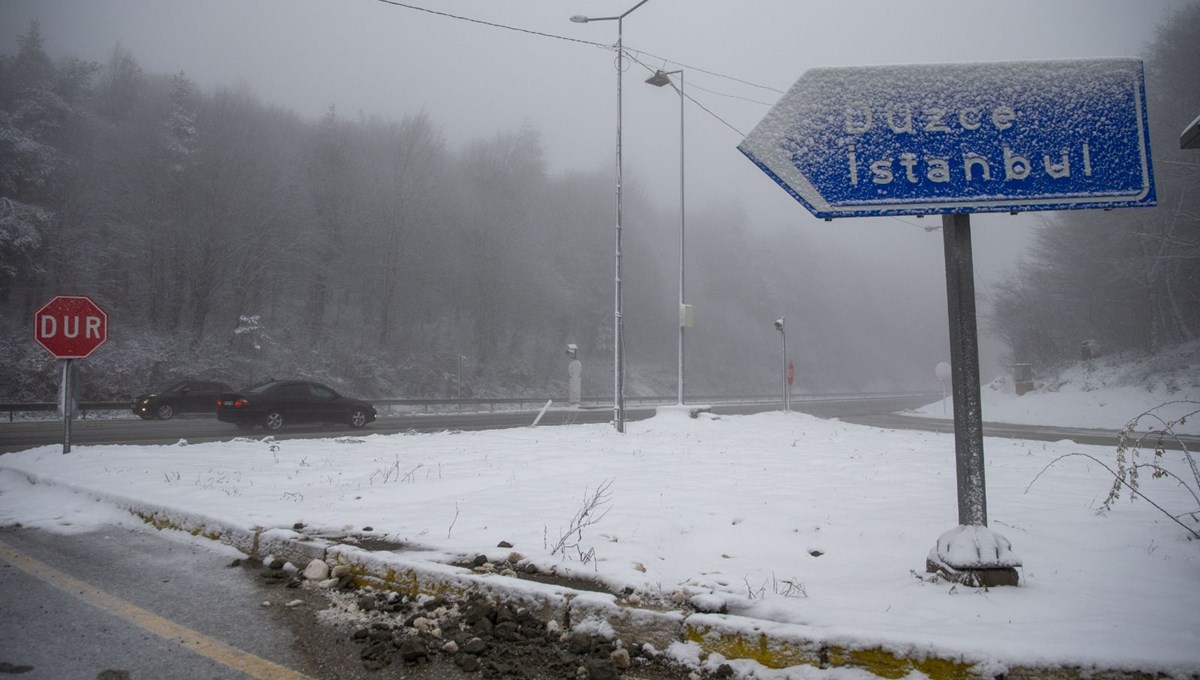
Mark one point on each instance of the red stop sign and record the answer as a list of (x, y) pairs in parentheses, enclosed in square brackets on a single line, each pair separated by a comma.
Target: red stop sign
[(70, 326)]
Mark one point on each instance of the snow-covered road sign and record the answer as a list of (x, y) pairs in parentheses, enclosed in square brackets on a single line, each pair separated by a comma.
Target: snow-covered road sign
[(960, 138), (70, 326)]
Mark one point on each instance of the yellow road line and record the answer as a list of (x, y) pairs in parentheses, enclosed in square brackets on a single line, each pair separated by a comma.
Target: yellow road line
[(254, 666)]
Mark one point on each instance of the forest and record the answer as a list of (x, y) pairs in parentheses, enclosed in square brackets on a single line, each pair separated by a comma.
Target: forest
[(230, 238), (1128, 279)]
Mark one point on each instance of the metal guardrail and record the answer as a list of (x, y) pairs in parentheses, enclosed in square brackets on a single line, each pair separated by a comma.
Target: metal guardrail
[(430, 405)]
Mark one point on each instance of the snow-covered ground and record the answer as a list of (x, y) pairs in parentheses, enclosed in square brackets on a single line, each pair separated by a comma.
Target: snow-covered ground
[(784, 517), (1107, 392)]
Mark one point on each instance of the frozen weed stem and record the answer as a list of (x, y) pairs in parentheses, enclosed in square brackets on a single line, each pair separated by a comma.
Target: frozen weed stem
[(588, 514)]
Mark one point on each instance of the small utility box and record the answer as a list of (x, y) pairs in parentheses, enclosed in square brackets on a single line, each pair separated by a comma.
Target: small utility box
[(1023, 378)]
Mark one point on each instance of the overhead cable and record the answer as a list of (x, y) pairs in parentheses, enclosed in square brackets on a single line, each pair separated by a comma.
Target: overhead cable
[(629, 52)]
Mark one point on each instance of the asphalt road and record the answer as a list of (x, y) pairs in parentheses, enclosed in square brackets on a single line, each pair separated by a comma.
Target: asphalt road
[(21, 435), (127, 601), (130, 604), (873, 411), (1048, 433)]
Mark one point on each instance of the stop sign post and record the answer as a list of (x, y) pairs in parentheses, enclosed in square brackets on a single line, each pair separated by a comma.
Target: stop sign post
[(70, 327)]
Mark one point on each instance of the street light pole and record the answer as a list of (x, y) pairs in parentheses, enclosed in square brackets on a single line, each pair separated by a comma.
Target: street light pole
[(659, 79), (779, 326), (618, 330)]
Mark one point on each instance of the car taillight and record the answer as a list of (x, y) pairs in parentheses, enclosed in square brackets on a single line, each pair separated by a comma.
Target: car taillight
[(241, 403)]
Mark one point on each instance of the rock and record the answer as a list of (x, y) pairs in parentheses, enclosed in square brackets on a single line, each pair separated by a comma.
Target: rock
[(294, 603), (475, 646), (266, 603), (723, 672), (504, 544), (236, 563), (294, 583), (482, 628), (422, 624), (467, 662), (508, 631), (366, 603), (298, 526), (450, 647), (579, 643), (276, 563), (360, 634), (620, 658), (328, 583), (514, 557), (479, 561), (600, 669), (317, 570), (412, 651), (340, 571), (375, 656)]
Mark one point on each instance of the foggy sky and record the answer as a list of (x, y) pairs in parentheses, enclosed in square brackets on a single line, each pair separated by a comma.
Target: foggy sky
[(473, 80)]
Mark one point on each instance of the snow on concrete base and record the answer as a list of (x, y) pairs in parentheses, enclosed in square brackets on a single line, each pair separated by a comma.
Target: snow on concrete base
[(974, 547), (684, 410)]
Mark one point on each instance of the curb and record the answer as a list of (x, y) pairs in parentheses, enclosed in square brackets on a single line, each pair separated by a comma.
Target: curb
[(721, 636)]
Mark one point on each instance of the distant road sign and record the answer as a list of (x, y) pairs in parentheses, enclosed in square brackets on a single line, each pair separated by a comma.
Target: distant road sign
[(960, 138), (70, 326)]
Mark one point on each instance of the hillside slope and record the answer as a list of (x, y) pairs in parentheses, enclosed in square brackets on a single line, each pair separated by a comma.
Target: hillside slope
[(1107, 392)]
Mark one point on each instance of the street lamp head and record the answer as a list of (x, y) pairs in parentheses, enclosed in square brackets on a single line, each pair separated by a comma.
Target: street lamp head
[(580, 19), (659, 79), (779, 324)]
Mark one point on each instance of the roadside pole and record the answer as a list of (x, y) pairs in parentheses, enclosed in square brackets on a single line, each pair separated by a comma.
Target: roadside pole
[(964, 370), (67, 405)]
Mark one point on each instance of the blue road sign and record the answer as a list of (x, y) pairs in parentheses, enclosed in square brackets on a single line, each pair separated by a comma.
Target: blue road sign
[(960, 138)]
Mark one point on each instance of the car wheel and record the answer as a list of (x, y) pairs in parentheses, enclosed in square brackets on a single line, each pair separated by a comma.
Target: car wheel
[(245, 426), (165, 412), (273, 421), (358, 418)]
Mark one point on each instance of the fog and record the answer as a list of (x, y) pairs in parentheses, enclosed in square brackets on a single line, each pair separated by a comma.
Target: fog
[(504, 65)]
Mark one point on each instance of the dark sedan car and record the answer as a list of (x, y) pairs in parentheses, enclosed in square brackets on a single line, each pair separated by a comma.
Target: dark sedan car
[(275, 403), (181, 396)]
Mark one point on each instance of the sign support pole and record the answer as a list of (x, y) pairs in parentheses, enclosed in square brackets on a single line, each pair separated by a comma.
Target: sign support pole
[(964, 370), (993, 563), (67, 405)]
